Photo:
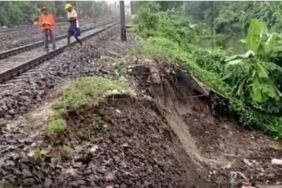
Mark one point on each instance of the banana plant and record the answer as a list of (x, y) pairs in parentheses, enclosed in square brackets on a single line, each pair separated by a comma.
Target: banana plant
[(250, 74)]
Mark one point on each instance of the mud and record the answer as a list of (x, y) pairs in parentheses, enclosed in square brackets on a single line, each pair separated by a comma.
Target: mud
[(137, 146), (231, 155)]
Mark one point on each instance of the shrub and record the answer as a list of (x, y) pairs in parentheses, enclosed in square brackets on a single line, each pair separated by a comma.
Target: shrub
[(57, 126)]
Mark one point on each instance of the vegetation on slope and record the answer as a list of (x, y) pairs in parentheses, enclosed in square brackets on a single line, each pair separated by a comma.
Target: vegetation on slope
[(250, 81), (79, 93)]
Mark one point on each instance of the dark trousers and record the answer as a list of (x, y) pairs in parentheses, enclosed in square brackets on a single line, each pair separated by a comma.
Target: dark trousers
[(74, 31), (49, 34)]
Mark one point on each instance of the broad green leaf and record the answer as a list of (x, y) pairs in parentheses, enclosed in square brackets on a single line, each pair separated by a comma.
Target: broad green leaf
[(256, 92), (262, 72), (256, 33), (272, 42)]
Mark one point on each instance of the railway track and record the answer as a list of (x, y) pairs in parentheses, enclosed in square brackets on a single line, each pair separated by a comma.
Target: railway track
[(26, 57), (14, 51), (25, 27)]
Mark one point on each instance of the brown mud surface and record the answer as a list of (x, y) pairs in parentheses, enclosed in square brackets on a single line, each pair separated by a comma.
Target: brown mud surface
[(135, 148), (231, 155)]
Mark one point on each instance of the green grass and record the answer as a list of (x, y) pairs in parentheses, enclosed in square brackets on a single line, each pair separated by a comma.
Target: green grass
[(165, 48), (78, 93), (81, 91), (57, 126)]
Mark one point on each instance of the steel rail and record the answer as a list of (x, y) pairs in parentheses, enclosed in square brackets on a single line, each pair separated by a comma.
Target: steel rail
[(17, 50), (19, 28), (14, 71)]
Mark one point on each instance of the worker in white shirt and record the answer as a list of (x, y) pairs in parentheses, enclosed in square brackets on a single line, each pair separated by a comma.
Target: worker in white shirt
[(74, 29)]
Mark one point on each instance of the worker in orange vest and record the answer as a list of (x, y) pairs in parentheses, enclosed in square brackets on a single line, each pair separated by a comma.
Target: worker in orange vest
[(46, 22)]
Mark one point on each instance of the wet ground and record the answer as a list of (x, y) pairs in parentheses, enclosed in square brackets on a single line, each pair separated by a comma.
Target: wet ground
[(164, 136), (230, 155)]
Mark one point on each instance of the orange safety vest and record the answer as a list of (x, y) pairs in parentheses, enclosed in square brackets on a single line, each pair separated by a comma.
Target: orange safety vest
[(46, 21)]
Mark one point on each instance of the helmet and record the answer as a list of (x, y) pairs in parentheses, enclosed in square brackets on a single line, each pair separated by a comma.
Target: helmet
[(44, 8), (68, 6)]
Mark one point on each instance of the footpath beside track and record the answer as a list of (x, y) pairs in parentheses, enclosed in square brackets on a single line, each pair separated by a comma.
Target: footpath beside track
[(26, 57)]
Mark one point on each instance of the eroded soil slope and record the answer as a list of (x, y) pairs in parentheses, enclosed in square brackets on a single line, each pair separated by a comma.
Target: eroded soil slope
[(231, 155)]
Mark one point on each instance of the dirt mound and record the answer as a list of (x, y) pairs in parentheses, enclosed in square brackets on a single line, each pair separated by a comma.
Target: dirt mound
[(134, 147), (122, 141), (229, 154), (169, 139)]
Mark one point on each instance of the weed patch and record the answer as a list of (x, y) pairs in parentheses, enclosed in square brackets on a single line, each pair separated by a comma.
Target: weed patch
[(82, 90), (57, 126), (77, 95)]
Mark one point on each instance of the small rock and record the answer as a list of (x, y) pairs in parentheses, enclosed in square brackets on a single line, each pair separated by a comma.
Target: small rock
[(276, 161), (81, 182), (10, 178), (118, 111), (71, 171), (94, 148), (110, 176), (228, 166), (47, 183), (26, 173), (125, 145), (10, 163), (246, 161), (74, 184), (28, 182)]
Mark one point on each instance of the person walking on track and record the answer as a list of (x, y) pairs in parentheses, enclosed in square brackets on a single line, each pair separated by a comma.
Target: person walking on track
[(46, 22), (74, 29)]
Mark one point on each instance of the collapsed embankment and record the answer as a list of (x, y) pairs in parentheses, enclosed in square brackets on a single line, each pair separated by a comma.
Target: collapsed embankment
[(161, 135)]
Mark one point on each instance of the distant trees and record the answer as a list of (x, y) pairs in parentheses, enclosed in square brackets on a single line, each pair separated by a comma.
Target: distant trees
[(13, 13), (162, 5), (233, 16), (223, 16), (16, 12)]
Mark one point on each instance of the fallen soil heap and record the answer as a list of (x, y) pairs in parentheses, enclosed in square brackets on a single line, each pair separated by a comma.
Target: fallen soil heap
[(162, 135), (231, 155), (119, 140)]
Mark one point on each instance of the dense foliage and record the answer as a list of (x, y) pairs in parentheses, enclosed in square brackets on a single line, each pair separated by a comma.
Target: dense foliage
[(162, 5), (253, 76), (251, 81), (234, 17), (15, 13)]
